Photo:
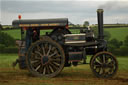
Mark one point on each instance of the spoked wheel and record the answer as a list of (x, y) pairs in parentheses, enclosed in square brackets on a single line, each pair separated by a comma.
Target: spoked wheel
[(104, 65), (45, 58)]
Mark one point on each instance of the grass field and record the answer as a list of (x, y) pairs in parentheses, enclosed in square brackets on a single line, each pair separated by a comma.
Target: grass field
[(118, 33), (16, 34), (80, 75)]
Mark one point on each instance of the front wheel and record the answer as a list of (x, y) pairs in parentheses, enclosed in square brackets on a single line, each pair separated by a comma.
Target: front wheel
[(104, 65)]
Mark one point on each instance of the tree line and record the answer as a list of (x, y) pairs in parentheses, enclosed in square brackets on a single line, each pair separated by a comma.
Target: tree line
[(7, 43)]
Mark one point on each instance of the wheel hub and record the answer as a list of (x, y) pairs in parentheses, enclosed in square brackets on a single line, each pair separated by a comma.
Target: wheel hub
[(104, 65), (44, 60)]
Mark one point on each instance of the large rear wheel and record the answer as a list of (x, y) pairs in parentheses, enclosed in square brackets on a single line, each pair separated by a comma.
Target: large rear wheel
[(45, 58)]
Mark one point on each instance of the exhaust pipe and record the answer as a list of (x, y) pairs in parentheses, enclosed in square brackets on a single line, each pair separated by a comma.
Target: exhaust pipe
[(100, 24)]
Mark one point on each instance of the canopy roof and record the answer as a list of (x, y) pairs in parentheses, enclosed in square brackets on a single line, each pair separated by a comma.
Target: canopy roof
[(40, 22)]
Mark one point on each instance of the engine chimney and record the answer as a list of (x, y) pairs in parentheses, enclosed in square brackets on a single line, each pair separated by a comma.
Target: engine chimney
[(100, 23)]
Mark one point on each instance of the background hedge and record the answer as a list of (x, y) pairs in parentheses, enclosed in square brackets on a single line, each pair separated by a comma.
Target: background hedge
[(10, 49), (7, 43)]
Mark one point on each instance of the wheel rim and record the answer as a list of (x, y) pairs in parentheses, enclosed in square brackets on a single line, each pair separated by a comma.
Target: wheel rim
[(104, 65), (46, 59)]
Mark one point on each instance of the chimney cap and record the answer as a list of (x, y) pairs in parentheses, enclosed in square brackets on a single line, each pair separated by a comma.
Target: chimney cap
[(100, 10)]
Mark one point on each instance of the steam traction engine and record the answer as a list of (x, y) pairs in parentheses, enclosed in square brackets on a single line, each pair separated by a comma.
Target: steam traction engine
[(47, 55)]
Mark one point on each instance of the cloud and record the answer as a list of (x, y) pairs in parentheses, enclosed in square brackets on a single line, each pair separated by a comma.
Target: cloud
[(47, 6), (115, 11), (115, 6), (76, 11)]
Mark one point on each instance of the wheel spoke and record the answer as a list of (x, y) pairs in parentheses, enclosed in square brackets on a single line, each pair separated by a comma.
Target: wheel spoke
[(46, 45), (32, 55), (50, 47), (56, 64), (53, 54), (110, 64), (40, 70), (99, 60), (34, 61), (104, 58), (43, 49), (37, 52), (37, 68), (104, 72), (51, 69), (38, 48), (98, 70), (44, 71), (36, 64), (53, 48), (33, 58), (53, 66), (110, 71), (48, 69), (46, 48), (97, 66), (56, 60), (57, 56)]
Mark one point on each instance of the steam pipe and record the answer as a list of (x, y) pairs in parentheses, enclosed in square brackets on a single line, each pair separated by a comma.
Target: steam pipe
[(100, 24)]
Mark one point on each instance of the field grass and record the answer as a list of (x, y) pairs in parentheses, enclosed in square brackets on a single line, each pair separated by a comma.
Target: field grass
[(80, 75), (7, 59), (16, 33), (118, 33)]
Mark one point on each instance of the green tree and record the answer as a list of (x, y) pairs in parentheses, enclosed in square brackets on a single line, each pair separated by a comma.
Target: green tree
[(107, 35), (124, 51), (115, 43), (86, 23), (6, 39), (126, 41), (124, 48), (1, 27), (78, 25)]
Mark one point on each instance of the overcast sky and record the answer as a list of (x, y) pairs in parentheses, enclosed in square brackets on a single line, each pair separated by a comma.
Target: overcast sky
[(78, 11)]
